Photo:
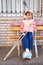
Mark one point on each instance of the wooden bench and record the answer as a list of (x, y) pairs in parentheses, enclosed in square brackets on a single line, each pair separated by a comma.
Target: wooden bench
[(40, 28), (17, 28)]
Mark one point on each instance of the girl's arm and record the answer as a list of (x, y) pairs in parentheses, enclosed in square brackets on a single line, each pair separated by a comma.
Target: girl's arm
[(21, 27)]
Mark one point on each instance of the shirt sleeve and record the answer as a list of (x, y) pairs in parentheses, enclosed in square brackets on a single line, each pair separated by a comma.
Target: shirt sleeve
[(21, 27)]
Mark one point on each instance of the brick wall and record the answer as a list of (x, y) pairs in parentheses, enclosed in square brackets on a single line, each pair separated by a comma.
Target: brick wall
[(5, 32)]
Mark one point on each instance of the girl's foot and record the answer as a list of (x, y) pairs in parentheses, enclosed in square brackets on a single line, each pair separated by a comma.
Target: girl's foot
[(27, 55)]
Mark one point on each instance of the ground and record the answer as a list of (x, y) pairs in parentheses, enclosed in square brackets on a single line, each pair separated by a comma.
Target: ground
[(13, 59)]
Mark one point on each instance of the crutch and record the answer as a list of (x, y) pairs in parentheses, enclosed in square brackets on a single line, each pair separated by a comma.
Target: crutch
[(16, 43), (36, 50)]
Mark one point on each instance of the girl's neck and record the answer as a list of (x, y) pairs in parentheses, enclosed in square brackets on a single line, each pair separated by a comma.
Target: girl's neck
[(28, 19)]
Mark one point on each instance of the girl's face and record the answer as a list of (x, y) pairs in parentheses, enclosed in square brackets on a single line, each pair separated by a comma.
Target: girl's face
[(27, 16)]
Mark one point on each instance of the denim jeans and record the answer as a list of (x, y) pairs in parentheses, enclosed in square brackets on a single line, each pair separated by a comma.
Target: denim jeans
[(27, 41)]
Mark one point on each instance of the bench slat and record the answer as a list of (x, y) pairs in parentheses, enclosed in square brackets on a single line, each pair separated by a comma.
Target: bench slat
[(18, 28), (17, 37), (40, 28)]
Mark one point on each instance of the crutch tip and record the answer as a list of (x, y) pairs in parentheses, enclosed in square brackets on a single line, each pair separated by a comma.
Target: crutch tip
[(37, 56), (5, 57)]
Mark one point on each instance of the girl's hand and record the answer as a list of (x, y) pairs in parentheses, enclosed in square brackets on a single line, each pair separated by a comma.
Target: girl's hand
[(34, 26)]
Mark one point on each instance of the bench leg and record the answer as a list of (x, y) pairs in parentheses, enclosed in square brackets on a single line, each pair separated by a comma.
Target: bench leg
[(18, 49), (36, 50)]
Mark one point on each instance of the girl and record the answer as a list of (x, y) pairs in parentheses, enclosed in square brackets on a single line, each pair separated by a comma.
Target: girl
[(28, 25)]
